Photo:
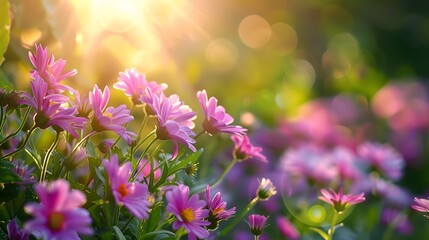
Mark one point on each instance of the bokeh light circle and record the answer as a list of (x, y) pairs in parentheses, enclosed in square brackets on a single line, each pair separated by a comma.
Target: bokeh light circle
[(254, 31)]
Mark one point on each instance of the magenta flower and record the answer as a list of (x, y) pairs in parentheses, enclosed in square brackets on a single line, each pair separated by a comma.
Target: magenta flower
[(244, 150), (132, 195), (257, 223), (49, 112), (216, 119), (339, 200), (422, 205), (24, 172), (134, 85), (175, 120), (58, 216), (111, 118), (287, 229), (145, 169), (188, 211), (217, 208), (383, 158), (49, 70)]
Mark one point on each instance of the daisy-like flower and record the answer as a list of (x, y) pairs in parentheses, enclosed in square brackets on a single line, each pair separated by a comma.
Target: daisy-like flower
[(134, 85), (217, 208), (14, 233), (49, 70), (422, 205), (175, 120), (266, 189), (24, 172), (257, 223), (111, 118), (145, 170), (339, 200), (132, 195), (216, 119), (49, 111), (189, 211), (244, 150), (383, 158), (59, 215)]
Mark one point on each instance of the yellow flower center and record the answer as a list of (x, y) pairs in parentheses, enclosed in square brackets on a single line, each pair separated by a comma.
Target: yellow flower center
[(56, 221), (108, 114), (123, 190), (187, 215)]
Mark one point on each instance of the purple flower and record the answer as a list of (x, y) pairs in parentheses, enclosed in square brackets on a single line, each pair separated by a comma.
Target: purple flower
[(14, 233), (145, 169), (24, 172), (216, 119), (132, 195), (111, 118), (49, 111), (339, 200), (217, 208), (287, 229), (189, 211), (422, 205), (134, 85), (58, 216), (257, 223), (49, 70), (393, 217), (175, 120), (383, 158), (244, 149)]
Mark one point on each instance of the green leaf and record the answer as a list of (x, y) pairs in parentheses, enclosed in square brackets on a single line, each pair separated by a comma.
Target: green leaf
[(163, 177), (5, 83), (4, 28), (119, 233), (157, 233), (154, 218), (320, 232), (8, 176), (187, 160)]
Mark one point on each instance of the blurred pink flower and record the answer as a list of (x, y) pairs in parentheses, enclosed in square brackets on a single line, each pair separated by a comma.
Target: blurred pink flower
[(217, 208), (287, 229), (257, 223), (383, 158), (175, 120), (400, 221), (24, 172), (189, 211), (58, 216), (111, 118), (145, 170), (339, 200), (132, 195), (422, 205), (134, 85), (244, 150), (216, 119), (49, 70), (49, 111)]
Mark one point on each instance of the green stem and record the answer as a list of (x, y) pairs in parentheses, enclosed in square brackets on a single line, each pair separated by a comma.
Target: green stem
[(82, 141), (48, 157), (19, 128), (333, 224), (256, 237), (20, 146), (227, 169), (239, 217), (137, 170)]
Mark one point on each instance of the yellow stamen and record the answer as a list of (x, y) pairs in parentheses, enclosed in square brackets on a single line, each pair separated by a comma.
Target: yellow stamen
[(187, 215), (56, 221), (123, 190)]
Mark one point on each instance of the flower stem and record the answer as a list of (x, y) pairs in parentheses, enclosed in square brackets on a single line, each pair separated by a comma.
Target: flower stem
[(19, 128), (239, 217), (137, 170), (48, 157), (227, 169), (22, 144), (333, 225)]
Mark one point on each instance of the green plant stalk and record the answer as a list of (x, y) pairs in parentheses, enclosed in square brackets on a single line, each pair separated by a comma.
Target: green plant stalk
[(19, 128), (332, 228), (137, 171), (20, 146), (48, 157), (239, 217)]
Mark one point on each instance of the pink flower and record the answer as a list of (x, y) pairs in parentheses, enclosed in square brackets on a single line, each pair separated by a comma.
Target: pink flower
[(244, 150), (422, 205), (383, 158), (175, 120), (188, 211), (24, 172), (111, 118), (58, 216), (216, 119), (49, 111), (145, 170), (257, 223), (266, 189), (217, 208), (134, 85), (48, 69), (339, 200), (287, 229), (132, 195)]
